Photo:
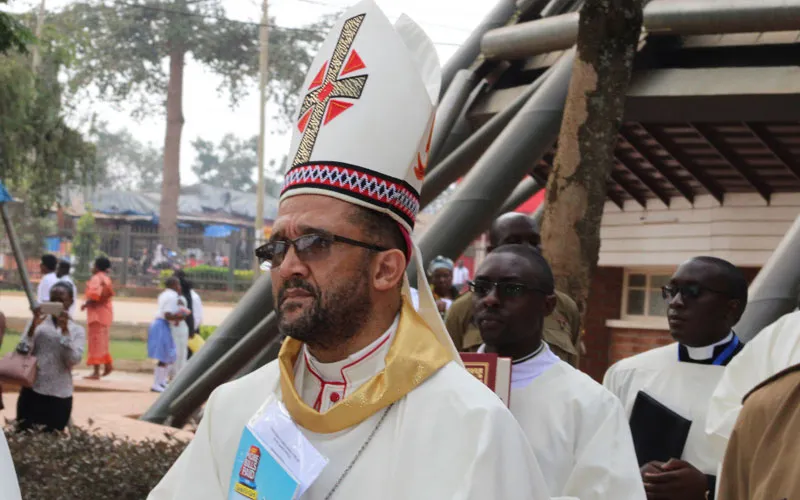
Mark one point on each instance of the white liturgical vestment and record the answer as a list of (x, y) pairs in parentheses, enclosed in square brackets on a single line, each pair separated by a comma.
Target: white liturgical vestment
[(774, 349), (684, 388), (450, 438), (9, 487), (577, 429)]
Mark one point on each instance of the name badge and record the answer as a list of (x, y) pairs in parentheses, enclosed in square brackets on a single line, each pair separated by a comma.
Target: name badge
[(274, 460)]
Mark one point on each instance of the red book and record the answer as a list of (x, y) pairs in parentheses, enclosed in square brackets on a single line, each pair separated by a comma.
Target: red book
[(494, 371)]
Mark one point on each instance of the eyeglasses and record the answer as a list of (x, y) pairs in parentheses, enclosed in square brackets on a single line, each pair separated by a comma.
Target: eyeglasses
[(505, 290), (688, 291), (313, 246)]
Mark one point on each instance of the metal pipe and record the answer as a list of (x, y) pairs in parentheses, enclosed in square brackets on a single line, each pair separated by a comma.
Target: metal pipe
[(459, 162), (451, 106), (267, 354), (538, 214), (678, 17), (469, 51), (774, 292), (223, 370), (527, 188), (252, 308), (501, 168), (15, 248)]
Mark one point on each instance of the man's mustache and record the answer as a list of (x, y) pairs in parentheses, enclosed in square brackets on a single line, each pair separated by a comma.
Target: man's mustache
[(296, 283)]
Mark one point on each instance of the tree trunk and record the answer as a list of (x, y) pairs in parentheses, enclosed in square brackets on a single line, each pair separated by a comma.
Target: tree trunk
[(608, 37), (171, 187)]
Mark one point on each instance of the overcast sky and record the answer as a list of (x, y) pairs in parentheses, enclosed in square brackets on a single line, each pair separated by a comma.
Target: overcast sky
[(208, 115)]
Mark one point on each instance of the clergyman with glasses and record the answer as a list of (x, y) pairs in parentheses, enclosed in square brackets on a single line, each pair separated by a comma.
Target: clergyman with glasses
[(666, 390), (577, 428)]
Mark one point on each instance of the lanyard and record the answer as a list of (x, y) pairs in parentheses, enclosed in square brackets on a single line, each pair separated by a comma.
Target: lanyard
[(725, 355)]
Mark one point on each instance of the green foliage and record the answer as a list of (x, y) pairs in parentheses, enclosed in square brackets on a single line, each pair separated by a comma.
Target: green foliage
[(13, 34), (85, 244), (122, 49), (230, 164), (39, 152), (89, 466), (207, 331), (31, 228), (213, 278), (125, 163)]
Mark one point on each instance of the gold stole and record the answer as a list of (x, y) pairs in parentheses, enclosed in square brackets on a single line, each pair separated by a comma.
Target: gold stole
[(414, 356)]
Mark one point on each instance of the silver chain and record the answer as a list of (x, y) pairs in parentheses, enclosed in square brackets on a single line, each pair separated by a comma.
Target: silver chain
[(359, 452)]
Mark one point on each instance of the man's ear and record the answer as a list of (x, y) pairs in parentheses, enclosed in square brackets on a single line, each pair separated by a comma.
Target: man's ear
[(388, 270), (550, 303)]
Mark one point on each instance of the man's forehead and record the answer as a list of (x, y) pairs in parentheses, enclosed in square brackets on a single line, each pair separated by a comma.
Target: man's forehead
[(303, 212), (697, 271), (506, 265)]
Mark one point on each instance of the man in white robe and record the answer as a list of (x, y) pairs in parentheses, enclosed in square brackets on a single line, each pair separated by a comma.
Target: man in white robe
[(48, 269), (9, 486), (577, 428), (374, 386), (774, 349), (706, 297)]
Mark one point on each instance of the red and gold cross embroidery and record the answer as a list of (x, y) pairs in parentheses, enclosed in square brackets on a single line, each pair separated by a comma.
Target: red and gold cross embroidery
[(321, 104)]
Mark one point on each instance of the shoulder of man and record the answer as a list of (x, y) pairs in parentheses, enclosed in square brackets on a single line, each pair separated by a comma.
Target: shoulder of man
[(789, 376)]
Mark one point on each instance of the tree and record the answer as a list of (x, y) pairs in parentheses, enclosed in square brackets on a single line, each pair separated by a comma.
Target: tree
[(39, 152), (231, 164), (86, 243), (14, 35), (123, 162), (126, 45), (608, 36)]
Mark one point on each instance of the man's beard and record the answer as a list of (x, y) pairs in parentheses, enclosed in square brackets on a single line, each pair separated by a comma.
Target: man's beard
[(334, 316)]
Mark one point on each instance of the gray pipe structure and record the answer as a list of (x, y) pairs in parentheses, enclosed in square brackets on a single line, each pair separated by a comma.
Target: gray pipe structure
[(15, 248), (459, 162), (228, 365), (469, 51), (527, 188), (251, 310), (774, 292), (501, 168), (680, 17), (451, 106)]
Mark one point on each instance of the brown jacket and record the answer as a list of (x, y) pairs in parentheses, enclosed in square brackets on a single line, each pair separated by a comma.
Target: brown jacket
[(561, 329), (762, 461)]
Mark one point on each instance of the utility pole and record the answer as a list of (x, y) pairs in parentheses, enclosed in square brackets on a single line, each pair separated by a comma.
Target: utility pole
[(263, 72), (37, 58)]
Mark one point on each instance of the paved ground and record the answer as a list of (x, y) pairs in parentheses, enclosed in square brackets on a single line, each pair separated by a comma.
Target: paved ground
[(110, 406), (126, 310)]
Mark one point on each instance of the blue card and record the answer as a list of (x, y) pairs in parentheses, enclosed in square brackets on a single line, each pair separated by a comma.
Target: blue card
[(257, 475)]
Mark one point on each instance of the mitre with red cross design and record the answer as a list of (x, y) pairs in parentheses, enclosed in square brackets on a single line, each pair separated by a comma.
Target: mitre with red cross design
[(363, 130)]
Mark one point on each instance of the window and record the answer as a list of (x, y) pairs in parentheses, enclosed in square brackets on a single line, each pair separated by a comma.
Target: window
[(642, 293)]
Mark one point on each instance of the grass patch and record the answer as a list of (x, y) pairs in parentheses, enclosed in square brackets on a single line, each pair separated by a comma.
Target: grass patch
[(135, 350)]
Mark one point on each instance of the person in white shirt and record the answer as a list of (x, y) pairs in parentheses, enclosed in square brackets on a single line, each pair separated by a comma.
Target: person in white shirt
[(62, 273), (460, 275), (705, 299), (577, 428), (160, 342), (362, 379), (49, 278)]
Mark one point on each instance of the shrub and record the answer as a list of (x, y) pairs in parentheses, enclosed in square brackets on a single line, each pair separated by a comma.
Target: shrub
[(87, 466), (213, 278)]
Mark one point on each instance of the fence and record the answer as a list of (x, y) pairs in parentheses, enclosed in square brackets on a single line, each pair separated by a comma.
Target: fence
[(140, 261)]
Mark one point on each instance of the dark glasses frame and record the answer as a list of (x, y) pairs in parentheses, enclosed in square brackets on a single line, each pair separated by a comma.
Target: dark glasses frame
[(503, 288), (689, 291), (266, 252)]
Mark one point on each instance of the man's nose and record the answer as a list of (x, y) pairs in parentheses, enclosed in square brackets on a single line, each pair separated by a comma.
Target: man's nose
[(292, 265), (676, 302)]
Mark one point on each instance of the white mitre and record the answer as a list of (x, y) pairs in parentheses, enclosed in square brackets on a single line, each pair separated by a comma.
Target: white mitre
[(363, 130)]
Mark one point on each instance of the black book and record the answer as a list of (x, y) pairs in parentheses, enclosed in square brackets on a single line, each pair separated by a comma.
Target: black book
[(658, 432)]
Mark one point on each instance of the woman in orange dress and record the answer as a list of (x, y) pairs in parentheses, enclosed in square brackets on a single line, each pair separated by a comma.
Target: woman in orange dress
[(98, 317)]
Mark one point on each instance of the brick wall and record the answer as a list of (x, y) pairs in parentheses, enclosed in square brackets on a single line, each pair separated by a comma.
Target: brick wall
[(605, 301), (626, 342)]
